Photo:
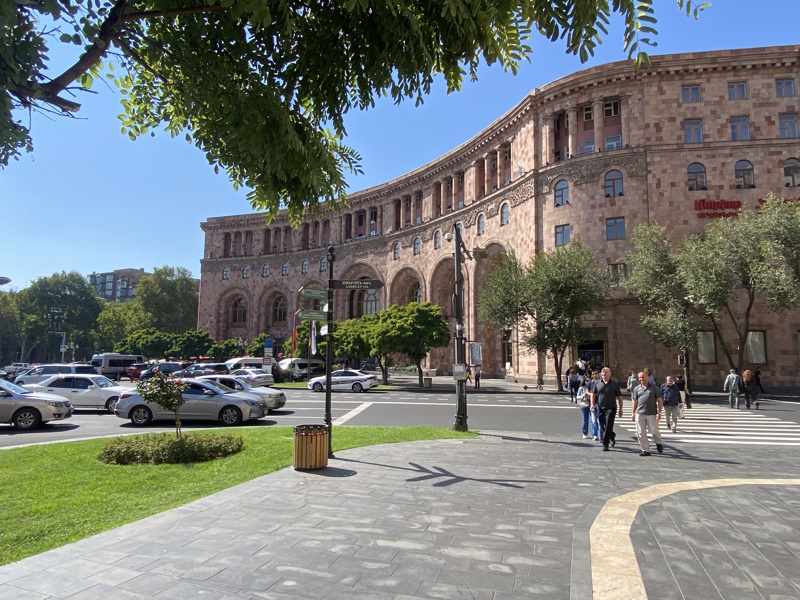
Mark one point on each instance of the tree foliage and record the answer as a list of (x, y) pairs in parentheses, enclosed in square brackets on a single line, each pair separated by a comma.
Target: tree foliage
[(224, 350), (261, 87), (169, 298), (166, 392), (116, 321), (192, 344), (149, 342), (552, 297)]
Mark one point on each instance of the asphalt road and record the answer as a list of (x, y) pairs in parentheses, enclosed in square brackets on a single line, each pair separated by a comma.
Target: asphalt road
[(495, 408)]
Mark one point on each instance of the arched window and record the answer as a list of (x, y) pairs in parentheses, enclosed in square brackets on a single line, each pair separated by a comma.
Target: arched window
[(323, 264), (481, 224), (364, 302), (745, 176), (561, 193), (226, 273), (415, 293), (304, 267), (246, 272), (791, 173), (265, 270), (239, 313), (437, 240), (285, 269), (613, 184), (396, 250), (504, 210), (696, 177), (279, 310), (417, 246)]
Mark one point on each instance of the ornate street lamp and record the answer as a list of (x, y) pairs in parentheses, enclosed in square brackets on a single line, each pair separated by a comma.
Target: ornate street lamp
[(329, 351)]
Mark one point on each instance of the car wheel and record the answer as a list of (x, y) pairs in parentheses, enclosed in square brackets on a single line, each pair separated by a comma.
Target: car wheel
[(317, 387), (111, 404), (230, 416), (26, 418), (358, 388), (19, 382), (141, 415)]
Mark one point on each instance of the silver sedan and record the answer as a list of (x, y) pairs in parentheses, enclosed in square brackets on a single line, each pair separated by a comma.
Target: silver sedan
[(275, 399), (25, 409), (255, 377), (203, 401)]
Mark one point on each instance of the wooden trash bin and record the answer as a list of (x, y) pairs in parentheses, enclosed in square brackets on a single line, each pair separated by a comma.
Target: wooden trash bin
[(310, 447), (427, 382)]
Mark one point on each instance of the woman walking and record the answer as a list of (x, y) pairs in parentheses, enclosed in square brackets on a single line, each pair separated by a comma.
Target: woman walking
[(750, 389)]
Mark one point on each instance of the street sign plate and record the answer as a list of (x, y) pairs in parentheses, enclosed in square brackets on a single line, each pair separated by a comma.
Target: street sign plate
[(324, 330), (314, 293), (314, 315), (357, 284)]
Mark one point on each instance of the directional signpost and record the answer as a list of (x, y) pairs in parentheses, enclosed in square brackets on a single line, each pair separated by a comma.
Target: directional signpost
[(357, 284), (314, 293), (313, 315)]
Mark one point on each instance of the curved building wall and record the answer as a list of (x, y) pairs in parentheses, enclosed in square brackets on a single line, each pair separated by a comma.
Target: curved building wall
[(591, 155)]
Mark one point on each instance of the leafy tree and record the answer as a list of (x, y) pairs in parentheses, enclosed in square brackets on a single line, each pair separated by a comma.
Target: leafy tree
[(116, 321), (224, 350), (558, 289), (352, 339), (261, 87), (413, 330), (166, 392), (736, 261), (169, 298), (192, 343), (256, 347), (150, 342)]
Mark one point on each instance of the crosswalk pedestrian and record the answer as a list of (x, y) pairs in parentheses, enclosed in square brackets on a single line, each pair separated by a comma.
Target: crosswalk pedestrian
[(712, 424)]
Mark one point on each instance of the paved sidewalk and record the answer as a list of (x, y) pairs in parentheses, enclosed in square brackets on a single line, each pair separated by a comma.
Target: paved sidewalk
[(504, 516)]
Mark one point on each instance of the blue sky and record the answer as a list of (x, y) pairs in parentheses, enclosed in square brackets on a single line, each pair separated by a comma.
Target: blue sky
[(89, 199)]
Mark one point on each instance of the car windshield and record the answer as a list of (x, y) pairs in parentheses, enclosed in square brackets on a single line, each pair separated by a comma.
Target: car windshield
[(10, 387), (257, 371), (102, 382), (244, 383)]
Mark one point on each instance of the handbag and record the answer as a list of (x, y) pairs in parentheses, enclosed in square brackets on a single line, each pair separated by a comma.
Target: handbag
[(681, 413), (584, 404)]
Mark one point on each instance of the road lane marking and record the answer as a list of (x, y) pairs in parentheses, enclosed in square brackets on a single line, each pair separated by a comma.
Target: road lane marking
[(347, 416)]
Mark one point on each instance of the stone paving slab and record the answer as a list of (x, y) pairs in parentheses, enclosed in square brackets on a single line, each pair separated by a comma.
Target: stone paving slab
[(502, 517)]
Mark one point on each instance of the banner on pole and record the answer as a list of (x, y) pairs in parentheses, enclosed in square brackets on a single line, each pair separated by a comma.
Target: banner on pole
[(313, 338)]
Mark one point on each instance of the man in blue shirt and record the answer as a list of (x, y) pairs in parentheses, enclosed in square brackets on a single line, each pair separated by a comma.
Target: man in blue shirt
[(646, 413), (672, 402)]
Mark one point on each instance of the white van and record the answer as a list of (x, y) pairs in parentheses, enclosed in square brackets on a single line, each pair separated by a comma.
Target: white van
[(244, 362), (113, 365), (295, 365)]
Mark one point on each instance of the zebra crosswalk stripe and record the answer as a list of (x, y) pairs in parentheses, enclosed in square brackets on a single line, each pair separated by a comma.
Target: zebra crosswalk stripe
[(722, 425)]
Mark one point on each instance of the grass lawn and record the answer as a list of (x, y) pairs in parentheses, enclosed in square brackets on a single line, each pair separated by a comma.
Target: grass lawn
[(60, 493)]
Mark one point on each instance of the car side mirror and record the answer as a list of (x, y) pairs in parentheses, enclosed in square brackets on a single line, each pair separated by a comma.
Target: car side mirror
[(208, 393)]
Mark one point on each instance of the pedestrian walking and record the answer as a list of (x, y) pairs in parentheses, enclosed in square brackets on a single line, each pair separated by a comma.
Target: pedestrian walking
[(646, 409), (583, 402), (477, 377), (574, 383), (606, 395), (750, 389), (758, 381), (671, 397), (684, 389), (594, 411), (469, 372), (633, 381), (734, 386)]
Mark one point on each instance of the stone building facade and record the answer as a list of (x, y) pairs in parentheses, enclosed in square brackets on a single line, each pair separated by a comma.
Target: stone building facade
[(591, 155)]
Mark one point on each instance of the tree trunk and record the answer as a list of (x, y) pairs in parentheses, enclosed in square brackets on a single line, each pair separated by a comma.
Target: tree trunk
[(419, 371), (177, 425), (384, 370), (558, 361)]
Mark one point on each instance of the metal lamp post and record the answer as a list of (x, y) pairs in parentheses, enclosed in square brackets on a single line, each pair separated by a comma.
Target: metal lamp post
[(73, 346), (329, 351), (460, 347), (241, 344)]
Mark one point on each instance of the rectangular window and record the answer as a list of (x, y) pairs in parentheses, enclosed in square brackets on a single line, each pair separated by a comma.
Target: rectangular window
[(360, 219), (562, 235), (615, 228), (737, 91), (611, 109), (587, 113), (740, 129), (617, 272), (588, 147), (706, 352), (693, 131), (784, 88), (690, 93), (756, 351), (614, 142), (788, 126)]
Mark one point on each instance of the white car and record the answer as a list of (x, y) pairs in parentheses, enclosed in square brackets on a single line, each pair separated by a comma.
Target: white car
[(274, 398), (203, 401), (83, 391), (346, 379), (255, 377)]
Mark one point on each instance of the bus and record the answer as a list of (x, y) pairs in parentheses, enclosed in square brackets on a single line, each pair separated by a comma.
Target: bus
[(113, 365)]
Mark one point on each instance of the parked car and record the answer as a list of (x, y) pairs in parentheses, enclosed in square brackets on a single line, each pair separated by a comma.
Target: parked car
[(275, 398), (167, 368), (345, 379), (25, 409), (135, 370), (6, 376), (16, 367), (204, 401), (199, 369), (303, 374), (43, 372), (83, 391), (255, 377)]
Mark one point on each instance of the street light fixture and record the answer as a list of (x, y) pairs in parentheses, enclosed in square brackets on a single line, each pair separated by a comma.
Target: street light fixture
[(241, 344), (331, 256)]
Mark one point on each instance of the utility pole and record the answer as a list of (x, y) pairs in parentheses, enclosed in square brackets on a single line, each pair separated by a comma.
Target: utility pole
[(460, 347)]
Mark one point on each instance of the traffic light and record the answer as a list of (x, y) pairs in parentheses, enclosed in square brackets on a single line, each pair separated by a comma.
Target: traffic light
[(681, 359)]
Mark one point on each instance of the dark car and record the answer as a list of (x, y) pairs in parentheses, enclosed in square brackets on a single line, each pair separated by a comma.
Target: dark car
[(4, 375), (135, 370), (168, 368), (302, 374), (199, 369)]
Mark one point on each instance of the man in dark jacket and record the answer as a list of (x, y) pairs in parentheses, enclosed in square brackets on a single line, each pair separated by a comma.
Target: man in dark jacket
[(605, 395), (672, 402)]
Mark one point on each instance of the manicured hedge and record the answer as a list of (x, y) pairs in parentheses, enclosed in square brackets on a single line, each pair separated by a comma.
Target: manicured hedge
[(163, 448)]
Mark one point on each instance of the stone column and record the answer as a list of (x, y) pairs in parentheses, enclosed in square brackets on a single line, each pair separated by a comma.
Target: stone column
[(572, 131), (487, 173), (501, 166), (438, 188), (598, 114), (403, 213)]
